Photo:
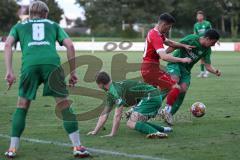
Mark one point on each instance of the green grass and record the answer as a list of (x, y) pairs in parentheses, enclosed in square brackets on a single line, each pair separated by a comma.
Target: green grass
[(212, 137)]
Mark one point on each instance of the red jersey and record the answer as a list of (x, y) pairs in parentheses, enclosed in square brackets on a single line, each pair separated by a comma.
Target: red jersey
[(154, 43)]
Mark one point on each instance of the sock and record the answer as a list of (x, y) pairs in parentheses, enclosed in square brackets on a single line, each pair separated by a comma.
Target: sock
[(145, 128), (202, 67), (70, 123), (15, 142), (167, 129), (75, 138), (172, 96), (157, 127), (18, 122), (178, 103)]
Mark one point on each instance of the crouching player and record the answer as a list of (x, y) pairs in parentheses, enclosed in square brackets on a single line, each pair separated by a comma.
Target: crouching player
[(37, 38), (181, 72), (127, 93)]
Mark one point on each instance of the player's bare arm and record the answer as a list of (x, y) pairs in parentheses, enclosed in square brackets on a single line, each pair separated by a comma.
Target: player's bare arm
[(116, 121), (71, 59), (10, 77), (176, 45), (168, 57), (212, 70), (170, 49), (101, 121)]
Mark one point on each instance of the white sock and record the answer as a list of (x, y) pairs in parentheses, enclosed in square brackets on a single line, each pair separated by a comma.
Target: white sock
[(167, 129), (75, 138), (168, 108), (14, 142)]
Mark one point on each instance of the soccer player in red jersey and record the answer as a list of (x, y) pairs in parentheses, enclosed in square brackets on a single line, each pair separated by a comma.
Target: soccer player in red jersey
[(154, 51)]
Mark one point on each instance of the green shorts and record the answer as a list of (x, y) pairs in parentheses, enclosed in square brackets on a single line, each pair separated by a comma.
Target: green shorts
[(178, 70), (50, 75), (149, 106)]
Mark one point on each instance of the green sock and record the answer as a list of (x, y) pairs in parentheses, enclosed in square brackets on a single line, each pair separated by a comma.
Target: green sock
[(202, 67), (178, 103), (145, 128), (18, 122), (70, 123), (157, 127)]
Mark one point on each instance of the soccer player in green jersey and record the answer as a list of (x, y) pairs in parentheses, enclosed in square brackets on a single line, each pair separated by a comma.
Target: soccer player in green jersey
[(200, 27), (37, 37), (128, 93), (181, 72)]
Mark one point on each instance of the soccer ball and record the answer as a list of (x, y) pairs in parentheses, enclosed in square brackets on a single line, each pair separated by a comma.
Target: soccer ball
[(198, 109)]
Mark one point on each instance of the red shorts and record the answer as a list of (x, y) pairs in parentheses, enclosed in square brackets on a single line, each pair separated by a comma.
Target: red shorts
[(154, 75)]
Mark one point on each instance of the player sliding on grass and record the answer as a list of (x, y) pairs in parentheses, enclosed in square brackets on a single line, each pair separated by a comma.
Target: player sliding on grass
[(154, 51), (182, 72), (127, 93), (37, 38)]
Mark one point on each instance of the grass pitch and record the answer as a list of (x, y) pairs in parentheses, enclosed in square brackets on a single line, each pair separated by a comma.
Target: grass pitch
[(216, 136)]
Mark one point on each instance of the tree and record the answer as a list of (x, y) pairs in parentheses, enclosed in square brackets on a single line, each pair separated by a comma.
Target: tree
[(55, 12), (8, 14), (114, 12)]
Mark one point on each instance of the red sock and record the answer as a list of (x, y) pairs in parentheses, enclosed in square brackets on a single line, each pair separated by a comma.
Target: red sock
[(172, 96)]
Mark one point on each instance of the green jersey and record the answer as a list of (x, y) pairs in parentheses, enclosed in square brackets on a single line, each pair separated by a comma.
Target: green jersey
[(128, 92), (197, 53), (201, 27), (37, 39)]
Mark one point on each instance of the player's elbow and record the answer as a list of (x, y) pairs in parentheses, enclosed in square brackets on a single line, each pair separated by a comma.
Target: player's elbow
[(7, 46)]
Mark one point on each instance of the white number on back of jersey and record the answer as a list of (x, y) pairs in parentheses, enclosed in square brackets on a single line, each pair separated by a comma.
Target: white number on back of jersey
[(38, 32)]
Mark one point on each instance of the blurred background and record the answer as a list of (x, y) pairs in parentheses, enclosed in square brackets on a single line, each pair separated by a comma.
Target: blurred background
[(124, 19)]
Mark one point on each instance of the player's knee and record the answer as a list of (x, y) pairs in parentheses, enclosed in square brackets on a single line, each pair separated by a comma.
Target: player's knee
[(131, 124), (23, 103)]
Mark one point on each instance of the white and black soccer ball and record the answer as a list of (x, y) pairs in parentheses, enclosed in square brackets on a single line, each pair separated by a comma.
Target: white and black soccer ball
[(198, 109)]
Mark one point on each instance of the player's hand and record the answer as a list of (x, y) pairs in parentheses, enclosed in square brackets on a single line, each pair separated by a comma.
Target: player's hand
[(92, 133), (73, 79), (218, 73), (10, 78), (188, 47), (108, 135), (186, 60)]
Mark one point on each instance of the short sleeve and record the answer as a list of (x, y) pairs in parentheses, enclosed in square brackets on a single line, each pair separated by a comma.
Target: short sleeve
[(110, 102), (14, 33), (195, 29), (207, 57), (156, 41), (209, 25), (61, 35)]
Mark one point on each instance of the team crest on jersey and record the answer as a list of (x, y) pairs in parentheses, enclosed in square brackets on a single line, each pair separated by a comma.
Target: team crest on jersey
[(200, 52)]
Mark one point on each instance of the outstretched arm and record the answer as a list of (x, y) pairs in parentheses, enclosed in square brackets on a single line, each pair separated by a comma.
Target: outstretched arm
[(212, 70), (101, 121), (176, 45), (116, 121)]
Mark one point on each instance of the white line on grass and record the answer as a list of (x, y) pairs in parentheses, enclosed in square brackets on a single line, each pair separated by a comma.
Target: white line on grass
[(94, 150)]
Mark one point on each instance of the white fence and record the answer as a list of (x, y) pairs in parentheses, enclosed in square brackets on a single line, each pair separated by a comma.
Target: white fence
[(129, 46)]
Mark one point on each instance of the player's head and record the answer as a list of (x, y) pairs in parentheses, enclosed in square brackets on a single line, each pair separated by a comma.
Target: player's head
[(38, 9), (210, 37), (103, 80), (165, 22), (200, 16)]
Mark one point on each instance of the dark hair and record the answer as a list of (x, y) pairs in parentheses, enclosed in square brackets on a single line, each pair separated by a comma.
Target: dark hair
[(166, 17), (200, 12), (212, 34), (102, 78)]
